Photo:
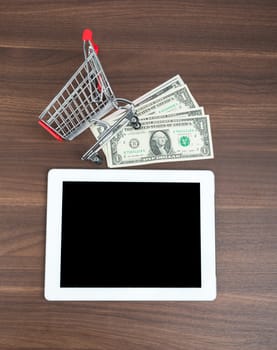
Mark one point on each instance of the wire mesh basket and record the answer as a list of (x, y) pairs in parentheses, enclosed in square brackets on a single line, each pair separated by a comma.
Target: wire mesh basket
[(84, 100)]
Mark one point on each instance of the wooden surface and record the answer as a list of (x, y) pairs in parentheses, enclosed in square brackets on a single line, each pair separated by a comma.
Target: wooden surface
[(226, 51)]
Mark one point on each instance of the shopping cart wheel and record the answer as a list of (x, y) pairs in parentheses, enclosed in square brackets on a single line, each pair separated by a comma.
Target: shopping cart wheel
[(97, 159), (135, 122)]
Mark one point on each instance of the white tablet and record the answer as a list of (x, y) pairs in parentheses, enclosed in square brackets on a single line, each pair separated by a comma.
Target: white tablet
[(130, 235)]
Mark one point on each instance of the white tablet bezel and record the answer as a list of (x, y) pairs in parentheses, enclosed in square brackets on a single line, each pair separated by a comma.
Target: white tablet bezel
[(55, 180)]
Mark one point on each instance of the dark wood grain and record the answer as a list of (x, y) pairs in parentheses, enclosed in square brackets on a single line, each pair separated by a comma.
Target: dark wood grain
[(226, 51)]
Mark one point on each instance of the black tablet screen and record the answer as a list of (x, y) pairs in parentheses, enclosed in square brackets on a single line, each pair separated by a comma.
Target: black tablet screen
[(122, 234)]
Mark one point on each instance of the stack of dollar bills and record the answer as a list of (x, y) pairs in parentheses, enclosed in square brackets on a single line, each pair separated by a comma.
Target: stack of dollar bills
[(173, 128)]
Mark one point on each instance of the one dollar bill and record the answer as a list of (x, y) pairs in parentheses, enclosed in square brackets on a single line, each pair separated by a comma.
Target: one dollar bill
[(172, 140)]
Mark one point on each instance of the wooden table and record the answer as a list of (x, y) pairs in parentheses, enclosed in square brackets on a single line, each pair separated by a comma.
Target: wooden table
[(226, 51)]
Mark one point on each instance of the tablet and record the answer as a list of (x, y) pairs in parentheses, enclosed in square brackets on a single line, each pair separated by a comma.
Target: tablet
[(114, 234)]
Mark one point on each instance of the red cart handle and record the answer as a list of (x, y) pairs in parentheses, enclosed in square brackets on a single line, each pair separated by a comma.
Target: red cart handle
[(87, 36), (51, 131)]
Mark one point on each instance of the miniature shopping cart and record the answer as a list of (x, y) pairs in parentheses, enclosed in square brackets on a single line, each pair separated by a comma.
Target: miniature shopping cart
[(83, 102)]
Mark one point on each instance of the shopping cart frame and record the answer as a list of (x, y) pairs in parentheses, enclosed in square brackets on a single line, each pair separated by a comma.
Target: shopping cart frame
[(84, 101)]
